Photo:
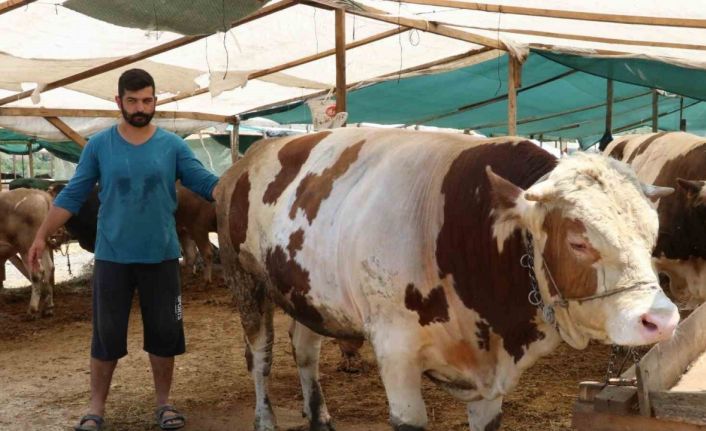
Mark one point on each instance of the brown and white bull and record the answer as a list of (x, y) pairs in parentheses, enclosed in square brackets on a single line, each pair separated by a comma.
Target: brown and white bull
[(21, 213), (413, 240), (675, 160)]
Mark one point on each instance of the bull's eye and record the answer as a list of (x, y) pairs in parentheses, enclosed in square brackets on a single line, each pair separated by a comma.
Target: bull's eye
[(579, 246)]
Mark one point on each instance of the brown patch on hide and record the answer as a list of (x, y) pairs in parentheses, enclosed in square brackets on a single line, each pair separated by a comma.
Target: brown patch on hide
[(644, 146), (492, 284), (296, 240), (238, 214), (461, 356), (574, 277), (483, 335), (292, 281), (314, 189), (432, 309), (617, 152), (292, 157)]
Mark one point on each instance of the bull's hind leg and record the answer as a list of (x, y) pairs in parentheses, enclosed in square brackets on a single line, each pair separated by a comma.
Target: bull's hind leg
[(485, 415), (401, 375), (306, 347), (256, 315)]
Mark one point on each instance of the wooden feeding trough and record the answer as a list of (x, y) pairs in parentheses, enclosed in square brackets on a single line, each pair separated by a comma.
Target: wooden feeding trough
[(665, 391)]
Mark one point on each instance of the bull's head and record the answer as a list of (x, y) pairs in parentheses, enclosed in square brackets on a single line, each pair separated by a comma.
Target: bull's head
[(594, 229)]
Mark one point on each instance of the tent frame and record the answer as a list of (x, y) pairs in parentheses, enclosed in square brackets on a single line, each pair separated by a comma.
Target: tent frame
[(404, 24)]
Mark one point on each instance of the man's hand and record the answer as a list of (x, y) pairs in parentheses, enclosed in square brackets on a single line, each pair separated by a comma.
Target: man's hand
[(35, 252)]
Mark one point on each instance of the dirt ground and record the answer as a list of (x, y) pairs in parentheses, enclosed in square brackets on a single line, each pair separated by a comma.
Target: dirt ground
[(44, 377)]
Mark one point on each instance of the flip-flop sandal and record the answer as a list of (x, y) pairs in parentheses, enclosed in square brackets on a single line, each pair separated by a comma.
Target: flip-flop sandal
[(95, 418), (169, 422)]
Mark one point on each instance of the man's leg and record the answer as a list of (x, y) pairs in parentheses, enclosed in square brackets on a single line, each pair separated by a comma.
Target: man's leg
[(160, 301), (112, 299), (101, 376), (162, 372)]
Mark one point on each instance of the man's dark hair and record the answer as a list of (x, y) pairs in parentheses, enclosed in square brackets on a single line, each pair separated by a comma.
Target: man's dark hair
[(133, 80)]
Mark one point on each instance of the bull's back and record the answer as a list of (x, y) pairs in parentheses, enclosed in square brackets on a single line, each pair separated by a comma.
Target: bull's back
[(660, 158)]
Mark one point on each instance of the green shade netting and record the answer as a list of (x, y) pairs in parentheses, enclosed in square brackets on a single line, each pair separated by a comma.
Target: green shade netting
[(188, 17), (555, 101)]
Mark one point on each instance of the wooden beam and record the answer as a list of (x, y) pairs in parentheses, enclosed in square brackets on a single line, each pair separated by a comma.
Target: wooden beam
[(13, 4), (427, 26), (235, 142), (340, 60), (644, 122), (534, 118), (293, 63), (67, 131), (565, 14), (587, 38), (585, 418), (655, 110), (111, 65), (512, 86), (665, 363), (109, 113), (491, 100), (417, 68)]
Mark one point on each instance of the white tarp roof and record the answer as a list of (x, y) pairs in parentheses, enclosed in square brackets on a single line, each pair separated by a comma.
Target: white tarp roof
[(36, 35)]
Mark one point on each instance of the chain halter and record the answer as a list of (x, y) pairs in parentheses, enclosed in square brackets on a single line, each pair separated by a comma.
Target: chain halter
[(535, 297)]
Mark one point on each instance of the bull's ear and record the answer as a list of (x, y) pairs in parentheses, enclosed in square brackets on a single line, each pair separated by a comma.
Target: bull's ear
[(692, 188), (509, 203)]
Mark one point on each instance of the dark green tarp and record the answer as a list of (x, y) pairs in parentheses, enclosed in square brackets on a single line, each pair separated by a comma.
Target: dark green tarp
[(562, 96)]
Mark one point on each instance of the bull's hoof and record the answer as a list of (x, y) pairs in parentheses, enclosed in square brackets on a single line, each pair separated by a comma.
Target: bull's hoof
[(31, 315), (264, 424), (48, 312), (322, 427), (313, 427)]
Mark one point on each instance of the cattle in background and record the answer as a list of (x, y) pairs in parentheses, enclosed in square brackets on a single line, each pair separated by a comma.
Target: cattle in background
[(21, 213), (413, 240), (675, 160), (195, 218)]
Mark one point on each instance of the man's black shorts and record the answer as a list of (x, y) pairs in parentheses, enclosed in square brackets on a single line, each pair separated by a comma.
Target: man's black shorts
[(159, 291)]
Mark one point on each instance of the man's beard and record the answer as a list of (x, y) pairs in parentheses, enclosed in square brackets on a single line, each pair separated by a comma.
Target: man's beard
[(138, 119)]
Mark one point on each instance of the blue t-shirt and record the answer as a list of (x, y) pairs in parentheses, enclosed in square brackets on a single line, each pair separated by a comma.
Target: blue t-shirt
[(137, 193)]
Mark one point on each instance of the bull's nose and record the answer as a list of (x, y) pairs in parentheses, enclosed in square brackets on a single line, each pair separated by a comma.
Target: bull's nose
[(658, 325)]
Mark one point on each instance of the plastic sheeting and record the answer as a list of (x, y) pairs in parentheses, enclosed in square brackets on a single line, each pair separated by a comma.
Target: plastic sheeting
[(180, 16), (554, 102)]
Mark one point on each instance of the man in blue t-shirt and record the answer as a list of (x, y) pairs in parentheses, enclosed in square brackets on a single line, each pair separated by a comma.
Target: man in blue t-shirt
[(136, 164)]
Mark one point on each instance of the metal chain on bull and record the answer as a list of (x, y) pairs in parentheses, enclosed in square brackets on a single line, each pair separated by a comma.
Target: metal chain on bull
[(612, 375), (68, 259), (535, 297)]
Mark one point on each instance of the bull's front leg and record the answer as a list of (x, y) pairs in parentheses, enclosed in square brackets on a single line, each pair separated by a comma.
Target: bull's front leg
[(306, 347), (485, 415), (46, 304), (401, 373)]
